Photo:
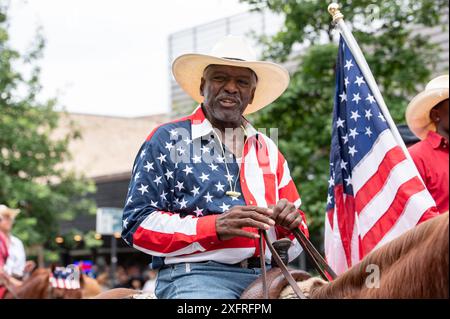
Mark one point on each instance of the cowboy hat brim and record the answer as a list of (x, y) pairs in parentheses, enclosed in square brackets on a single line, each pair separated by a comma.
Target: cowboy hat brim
[(418, 111), (273, 79), (12, 213)]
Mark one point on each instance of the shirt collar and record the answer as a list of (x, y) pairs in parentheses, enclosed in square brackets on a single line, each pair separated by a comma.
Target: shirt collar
[(435, 139), (201, 126)]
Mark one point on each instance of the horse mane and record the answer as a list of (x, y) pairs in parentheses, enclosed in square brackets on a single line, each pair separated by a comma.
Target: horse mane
[(415, 265)]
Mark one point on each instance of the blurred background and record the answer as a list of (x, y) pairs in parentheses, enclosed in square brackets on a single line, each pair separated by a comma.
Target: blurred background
[(82, 84)]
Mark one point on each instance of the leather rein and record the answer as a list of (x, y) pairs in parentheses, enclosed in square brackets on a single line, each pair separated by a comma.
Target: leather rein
[(314, 256)]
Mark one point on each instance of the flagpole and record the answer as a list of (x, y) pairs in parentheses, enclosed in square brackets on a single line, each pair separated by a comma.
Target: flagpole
[(338, 19)]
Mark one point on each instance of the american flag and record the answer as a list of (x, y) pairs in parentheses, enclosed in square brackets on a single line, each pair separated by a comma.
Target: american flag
[(375, 193), (65, 278)]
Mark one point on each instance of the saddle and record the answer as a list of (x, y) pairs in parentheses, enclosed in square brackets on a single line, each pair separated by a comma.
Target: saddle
[(274, 281)]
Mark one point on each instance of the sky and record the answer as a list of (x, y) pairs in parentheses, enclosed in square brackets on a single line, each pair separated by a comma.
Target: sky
[(109, 57)]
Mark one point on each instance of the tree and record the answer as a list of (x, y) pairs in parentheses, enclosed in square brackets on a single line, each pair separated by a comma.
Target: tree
[(31, 174), (401, 61)]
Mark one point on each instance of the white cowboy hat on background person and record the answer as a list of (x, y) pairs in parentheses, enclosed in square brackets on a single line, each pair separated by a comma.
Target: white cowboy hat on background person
[(418, 111), (5, 210), (273, 79)]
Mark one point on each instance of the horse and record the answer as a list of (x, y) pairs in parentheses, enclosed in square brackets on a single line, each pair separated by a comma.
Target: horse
[(414, 265), (38, 286)]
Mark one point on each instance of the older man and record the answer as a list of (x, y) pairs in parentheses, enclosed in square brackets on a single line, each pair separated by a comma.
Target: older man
[(202, 186), (427, 117)]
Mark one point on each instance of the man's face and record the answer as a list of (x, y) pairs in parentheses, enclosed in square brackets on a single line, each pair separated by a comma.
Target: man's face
[(439, 115), (6, 223), (227, 90)]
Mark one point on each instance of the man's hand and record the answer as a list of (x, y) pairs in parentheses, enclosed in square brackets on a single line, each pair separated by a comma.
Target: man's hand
[(4, 278), (285, 214), (230, 224)]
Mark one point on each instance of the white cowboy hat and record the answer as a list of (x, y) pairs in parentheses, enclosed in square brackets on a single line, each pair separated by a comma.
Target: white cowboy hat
[(5, 210), (273, 79), (418, 111)]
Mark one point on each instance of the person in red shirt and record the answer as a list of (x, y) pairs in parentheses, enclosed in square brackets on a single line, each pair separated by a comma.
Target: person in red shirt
[(427, 117), (3, 257)]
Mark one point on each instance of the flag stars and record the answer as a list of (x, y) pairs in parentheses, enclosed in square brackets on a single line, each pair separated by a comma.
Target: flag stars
[(343, 96), (208, 198), (205, 149), (346, 82), (158, 180), (225, 207), (381, 117), (352, 150), (187, 140), (353, 133), (195, 191), (348, 64), (142, 155), (173, 133), (153, 204), (220, 187), (149, 166), (181, 150), (197, 159), (356, 98), (368, 132), (331, 181), (359, 80), (221, 159), (329, 199), (137, 176), (340, 123), (345, 138), (130, 200), (180, 186), (355, 116), (370, 98), (169, 146), (198, 212), (183, 203), (163, 195), (169, 174), (125, 223), (187, 170), (162, 158), (368, 115), (213, 167), (143, 189), (348, 181), (344, 164), (204, 177), (229, 177)]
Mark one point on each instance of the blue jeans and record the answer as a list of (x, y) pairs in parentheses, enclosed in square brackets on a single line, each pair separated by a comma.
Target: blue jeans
[(205, 280)]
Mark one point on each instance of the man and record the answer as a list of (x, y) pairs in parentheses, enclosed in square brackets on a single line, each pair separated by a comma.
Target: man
[(203, 186), (15, 263), (427, 117)]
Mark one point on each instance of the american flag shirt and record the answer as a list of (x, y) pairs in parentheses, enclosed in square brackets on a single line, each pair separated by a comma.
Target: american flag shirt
[(177, 190)]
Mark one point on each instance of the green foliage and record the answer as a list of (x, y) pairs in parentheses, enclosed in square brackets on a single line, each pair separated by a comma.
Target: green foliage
[(31, 174), (401, 61)]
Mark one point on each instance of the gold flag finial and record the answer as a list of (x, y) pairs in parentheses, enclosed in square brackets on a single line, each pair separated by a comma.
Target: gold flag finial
[(335, 12)]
